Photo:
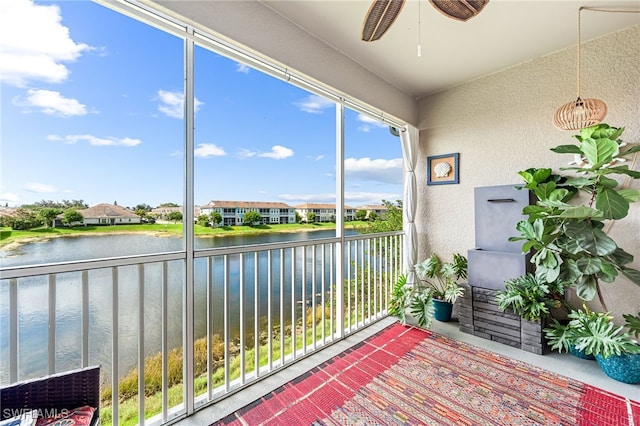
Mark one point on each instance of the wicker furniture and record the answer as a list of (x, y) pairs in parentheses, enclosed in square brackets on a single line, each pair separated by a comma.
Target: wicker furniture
[(53, 394)]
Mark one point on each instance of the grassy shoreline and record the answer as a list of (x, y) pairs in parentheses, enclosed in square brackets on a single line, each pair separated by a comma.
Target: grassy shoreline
[(13, 239)]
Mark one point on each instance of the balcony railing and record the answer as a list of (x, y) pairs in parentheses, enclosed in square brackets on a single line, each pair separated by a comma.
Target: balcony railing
[(255, 309)]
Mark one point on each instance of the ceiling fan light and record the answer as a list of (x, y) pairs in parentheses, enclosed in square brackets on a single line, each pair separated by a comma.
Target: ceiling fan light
[(462, 10), (381, 15), (578, 114)]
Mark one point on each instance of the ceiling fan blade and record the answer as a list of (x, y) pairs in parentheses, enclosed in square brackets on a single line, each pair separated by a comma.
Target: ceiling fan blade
[(381, 14), (462, 10)]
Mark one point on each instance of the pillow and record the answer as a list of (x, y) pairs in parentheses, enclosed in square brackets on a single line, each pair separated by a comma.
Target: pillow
[(27, 418), (77, 417)]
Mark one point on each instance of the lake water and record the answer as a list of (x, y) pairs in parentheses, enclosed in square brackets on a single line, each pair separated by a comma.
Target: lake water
[(33, 295)]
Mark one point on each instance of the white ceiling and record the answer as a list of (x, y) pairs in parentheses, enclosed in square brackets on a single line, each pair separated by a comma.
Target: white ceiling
[(504, 34)]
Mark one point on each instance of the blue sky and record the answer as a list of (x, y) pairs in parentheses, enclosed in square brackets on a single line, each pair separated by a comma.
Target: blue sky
[(92, 109)]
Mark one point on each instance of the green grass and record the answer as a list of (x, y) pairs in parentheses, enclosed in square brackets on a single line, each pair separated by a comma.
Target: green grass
[(7, 235), (128, 405)]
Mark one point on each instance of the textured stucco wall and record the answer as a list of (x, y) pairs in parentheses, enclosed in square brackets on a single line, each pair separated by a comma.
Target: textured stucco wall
[(501, 124)]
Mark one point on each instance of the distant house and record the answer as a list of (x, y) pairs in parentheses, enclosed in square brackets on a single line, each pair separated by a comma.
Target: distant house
[(163, 211), (379, 210), (105, 214), (324, 212), (233, 212)]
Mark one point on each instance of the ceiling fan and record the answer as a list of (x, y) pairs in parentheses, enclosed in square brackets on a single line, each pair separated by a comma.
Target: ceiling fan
[(382, 14)]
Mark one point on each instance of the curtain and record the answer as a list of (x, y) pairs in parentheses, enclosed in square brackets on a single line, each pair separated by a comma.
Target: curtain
[(409, 138)]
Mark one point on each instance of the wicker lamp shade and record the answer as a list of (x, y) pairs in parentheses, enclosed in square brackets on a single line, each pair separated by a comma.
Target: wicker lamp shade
[(579, 114)]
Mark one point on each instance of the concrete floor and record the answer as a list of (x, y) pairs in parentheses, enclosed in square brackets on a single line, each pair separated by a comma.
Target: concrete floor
[(564, 364)]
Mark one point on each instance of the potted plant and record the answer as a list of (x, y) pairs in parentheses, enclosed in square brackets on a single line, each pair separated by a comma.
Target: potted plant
[(568, 240), (595, 334), (433, 294), (440, 282)]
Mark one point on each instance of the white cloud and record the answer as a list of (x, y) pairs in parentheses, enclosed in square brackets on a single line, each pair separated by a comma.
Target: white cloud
[(9, 197), (380, 170), (352, 199), (205, 150), (94, 140), (278, 152), (355, 199), (371, 121), (40, 188), (316, 158), (246, 153), (34, 44), (309, 198), (314, 104), (52, 103), (243, 68), (172, 103)]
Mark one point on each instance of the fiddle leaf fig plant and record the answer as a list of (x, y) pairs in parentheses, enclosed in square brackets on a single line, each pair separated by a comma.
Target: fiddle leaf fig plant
[(567, 238)]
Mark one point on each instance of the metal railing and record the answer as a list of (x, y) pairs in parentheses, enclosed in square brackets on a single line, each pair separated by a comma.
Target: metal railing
[(256, 310)]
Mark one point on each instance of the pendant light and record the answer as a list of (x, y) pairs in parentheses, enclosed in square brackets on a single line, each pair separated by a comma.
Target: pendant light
[(581, 113)]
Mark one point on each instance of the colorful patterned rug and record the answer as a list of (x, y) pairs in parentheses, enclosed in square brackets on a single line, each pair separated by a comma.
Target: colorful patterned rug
[(409, 376)]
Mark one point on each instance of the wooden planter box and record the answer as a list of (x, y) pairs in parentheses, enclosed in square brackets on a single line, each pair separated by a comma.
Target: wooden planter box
[(478, 314)]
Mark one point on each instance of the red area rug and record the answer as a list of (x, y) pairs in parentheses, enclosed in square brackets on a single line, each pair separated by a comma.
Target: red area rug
[(408, 376)]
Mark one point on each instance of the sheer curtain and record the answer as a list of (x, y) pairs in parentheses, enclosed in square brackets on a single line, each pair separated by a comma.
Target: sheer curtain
[(409, 138)]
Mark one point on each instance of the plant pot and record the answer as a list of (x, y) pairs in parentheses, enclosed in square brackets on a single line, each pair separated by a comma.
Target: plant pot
[(580, 353), (442, 310), (624, 368)]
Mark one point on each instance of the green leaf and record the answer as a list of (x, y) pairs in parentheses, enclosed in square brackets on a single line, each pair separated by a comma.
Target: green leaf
[(567, 149), (599, 150), (608, 272), (538, 229), (635, 148), (541, 175), (589, 265), (586, 287), (596, 242), (632, 274), (632, 322), (526, 247), (630, 194), (544, 190), (422, 308), (549, 259), (558, 194), (579, 182), (580, 212), (526, 176), (526, 229), (622, 170), (620, 257), (607, 182), (611, 204)]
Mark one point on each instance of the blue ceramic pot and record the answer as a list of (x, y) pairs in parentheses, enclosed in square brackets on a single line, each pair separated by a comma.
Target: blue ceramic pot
[(624, 368), (580, 353), (442, 310)]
